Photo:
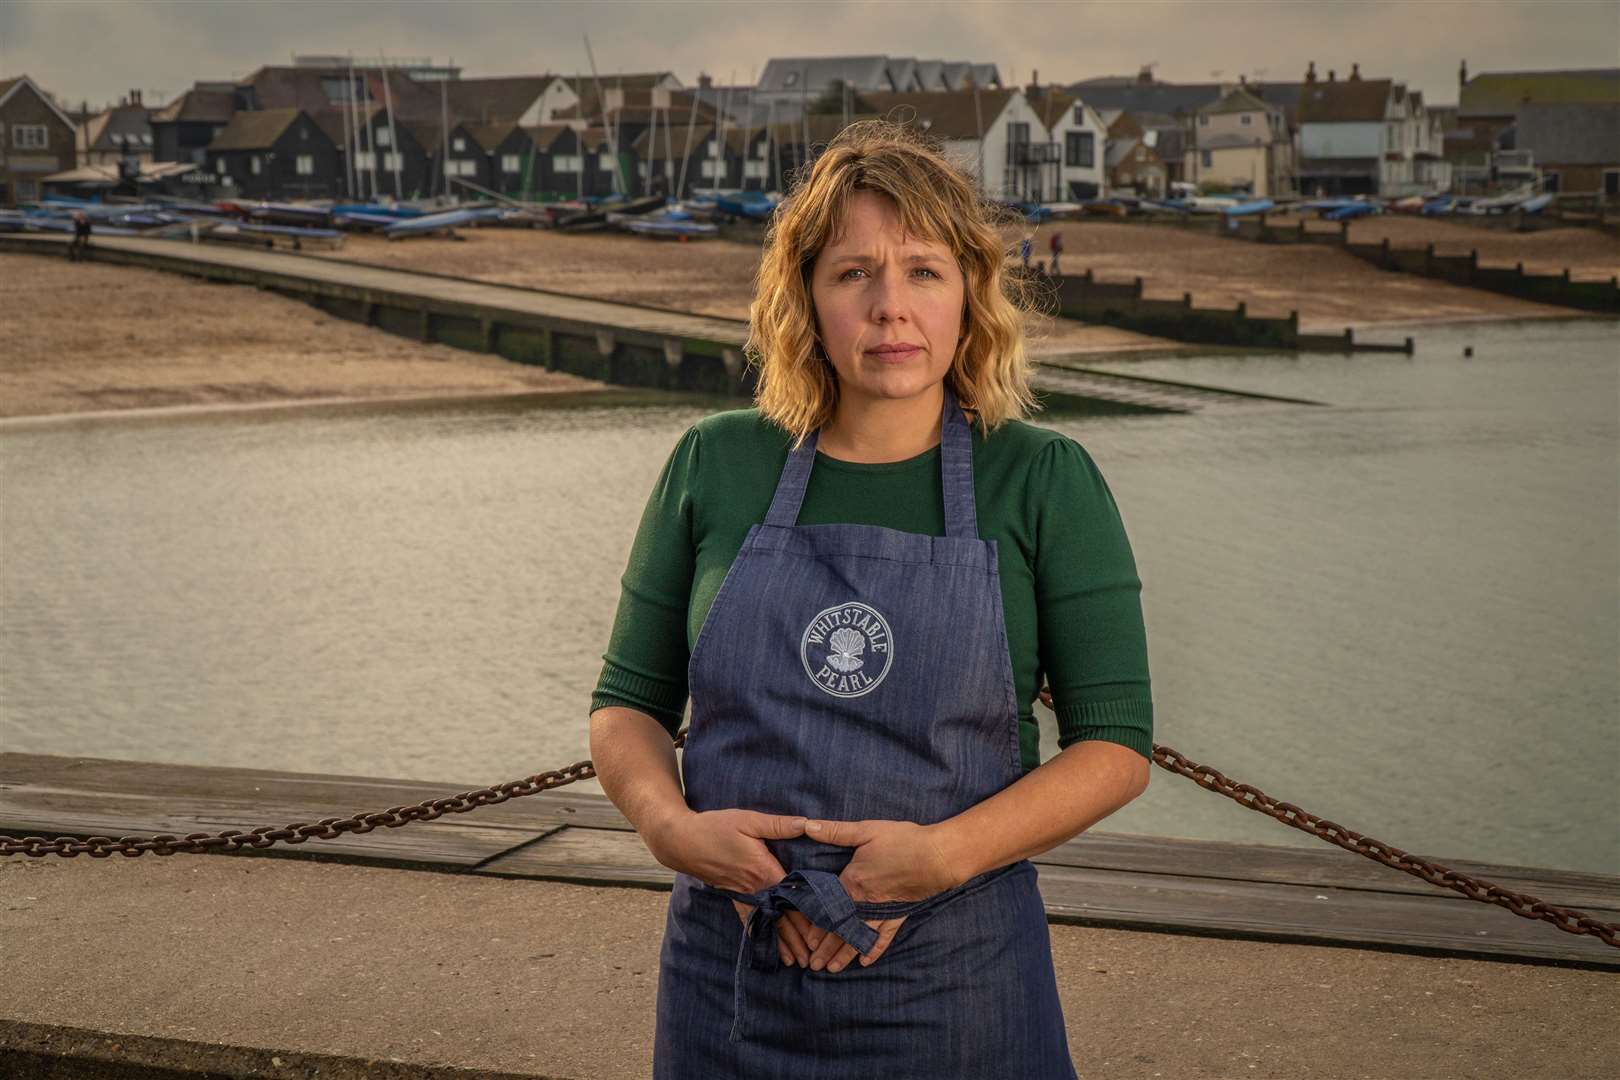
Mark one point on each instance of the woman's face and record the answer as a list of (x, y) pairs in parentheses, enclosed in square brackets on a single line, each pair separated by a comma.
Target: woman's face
[(888, 307)]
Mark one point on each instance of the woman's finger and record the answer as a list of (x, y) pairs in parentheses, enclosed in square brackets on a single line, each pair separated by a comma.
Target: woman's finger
[(841, 958), (829, 947), (742, 910), (886, 931), (805, 930), (791, 942)]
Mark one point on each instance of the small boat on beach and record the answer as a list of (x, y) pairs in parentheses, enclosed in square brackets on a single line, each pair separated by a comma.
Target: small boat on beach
[(1253, 206)]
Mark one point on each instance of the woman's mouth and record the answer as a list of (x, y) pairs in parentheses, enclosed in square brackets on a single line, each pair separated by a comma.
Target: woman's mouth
[(893, 354)]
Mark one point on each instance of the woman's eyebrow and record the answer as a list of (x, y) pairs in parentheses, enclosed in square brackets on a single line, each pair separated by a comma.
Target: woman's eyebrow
[(918, 257)]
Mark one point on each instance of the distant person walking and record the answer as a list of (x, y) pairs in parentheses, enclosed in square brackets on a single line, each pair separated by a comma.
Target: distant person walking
[(1024, 247), (81, 236), (1056, 245)]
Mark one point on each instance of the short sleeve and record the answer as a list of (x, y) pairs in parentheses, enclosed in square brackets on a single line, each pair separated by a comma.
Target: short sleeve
[(644, 667), (1093, 645)]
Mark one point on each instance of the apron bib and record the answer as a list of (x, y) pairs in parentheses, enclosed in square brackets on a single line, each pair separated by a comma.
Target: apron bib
[(852, 672)]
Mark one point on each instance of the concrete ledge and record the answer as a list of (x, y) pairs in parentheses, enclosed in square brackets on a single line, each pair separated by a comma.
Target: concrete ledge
[(215, 966)]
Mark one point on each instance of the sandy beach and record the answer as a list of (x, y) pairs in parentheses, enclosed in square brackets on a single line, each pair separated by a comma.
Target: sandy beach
[(86, 337)]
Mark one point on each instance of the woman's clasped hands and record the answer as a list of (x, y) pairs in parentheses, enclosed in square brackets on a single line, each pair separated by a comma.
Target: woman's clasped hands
[(893, 860)]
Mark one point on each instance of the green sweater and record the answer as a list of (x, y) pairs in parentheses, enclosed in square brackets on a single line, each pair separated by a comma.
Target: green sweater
[(1069, 588)]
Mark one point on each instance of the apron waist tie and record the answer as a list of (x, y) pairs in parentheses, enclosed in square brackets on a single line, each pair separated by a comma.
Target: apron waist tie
[(820, 897)]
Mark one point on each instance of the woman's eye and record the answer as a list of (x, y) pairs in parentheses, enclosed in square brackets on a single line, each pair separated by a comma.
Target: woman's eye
[(847, 274), (925, 270)]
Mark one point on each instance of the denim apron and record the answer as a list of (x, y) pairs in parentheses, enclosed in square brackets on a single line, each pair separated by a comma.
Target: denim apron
[(853, 672)]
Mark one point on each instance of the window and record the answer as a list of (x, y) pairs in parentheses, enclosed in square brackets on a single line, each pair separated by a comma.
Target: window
[(1551, 183), (463, 167), (304, 165), (392, 161), (1080, 149), (1611, 182), (458, 144), (1245, 119), (565, 163), (27, 190), (1203, 120), (791, 79), (511, 163), (604, 161), (1017, 133), (255, 165), (303, 134), (365, 159), (1206, 158), (758, 170), (1080, 115), (30, 137), (381, 137), (713, 168)]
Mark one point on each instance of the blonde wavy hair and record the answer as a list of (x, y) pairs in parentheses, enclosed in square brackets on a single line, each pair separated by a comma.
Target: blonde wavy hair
[(797, 388)]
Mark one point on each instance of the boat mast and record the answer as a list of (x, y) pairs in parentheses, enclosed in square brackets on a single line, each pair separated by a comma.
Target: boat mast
[(393, 138), (348, 149), (579, 140), (444, 128), (601, 110), (686, 156)]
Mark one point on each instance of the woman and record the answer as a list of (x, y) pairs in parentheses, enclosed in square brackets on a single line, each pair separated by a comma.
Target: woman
[(860, 591)]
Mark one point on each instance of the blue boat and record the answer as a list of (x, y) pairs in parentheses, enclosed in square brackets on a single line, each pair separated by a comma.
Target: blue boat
[(1350, 211), (1253, 206), (671, 226), (430, 223), (1535, 205)]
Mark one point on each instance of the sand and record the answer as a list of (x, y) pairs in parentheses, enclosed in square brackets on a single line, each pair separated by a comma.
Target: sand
[(85, 337)]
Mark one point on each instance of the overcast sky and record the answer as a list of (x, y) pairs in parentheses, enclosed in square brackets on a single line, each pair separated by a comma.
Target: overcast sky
[(96, 50)]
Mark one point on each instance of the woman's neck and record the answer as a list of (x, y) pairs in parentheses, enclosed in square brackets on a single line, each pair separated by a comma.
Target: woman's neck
[(876, 430)]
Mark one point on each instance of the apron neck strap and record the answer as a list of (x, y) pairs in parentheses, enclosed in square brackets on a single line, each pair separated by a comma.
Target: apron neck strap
[(955, 467)]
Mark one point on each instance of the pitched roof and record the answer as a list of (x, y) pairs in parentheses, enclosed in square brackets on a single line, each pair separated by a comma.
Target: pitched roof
[(1119, 150), (1238, 101), (1048, 103), (198, 106), (1500, 93), (960, 114), (488, 136), (123, 127), (254, 130), (1349, 101), (503, 99), (16, 83), (811, 75)]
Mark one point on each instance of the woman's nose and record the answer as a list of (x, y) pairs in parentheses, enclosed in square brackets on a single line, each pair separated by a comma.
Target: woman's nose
[(888, 299)]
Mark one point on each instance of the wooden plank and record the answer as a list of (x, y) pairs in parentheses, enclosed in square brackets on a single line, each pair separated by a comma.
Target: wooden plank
[(1318, 914), (595, 856), (1324, 865)]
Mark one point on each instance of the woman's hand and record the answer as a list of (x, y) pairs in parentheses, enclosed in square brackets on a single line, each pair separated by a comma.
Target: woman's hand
[(726, 849), (894, 860)]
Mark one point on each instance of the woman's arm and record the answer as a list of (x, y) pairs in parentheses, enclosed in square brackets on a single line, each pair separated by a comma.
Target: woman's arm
[(1054, 802), (635, 764)]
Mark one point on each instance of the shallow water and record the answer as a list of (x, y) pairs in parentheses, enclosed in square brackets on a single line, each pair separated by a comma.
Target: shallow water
[(1399, 612)]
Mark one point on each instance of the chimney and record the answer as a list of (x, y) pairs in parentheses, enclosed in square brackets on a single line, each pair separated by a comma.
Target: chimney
[(1035, 79), (1243, 81), (1144, 77), (1310, 72), (1332, 75), (704, 81), (1355, 72), (1462, 74)]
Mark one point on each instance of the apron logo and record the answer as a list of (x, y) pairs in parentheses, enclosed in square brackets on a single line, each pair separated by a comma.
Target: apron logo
[(847, 649)]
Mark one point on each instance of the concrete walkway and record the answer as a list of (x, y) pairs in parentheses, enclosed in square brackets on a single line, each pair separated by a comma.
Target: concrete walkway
[(252, 966)]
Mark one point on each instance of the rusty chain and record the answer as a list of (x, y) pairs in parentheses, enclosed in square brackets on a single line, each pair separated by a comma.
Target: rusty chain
[(101, 847)]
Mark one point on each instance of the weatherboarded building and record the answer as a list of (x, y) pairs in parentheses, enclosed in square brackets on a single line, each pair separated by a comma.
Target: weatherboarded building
[(36, 140), (275, 153)]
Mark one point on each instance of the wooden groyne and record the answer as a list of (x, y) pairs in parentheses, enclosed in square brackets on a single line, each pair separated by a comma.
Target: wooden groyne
[(624, 344), (1599, 297), (1123, 304), (1320, 895)]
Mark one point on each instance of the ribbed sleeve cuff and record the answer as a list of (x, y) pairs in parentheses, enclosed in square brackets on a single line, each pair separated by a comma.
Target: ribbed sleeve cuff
[(621, 686), (1128, 722)]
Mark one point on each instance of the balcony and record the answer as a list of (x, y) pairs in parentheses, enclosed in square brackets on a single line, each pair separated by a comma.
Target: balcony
[(1023, 153)]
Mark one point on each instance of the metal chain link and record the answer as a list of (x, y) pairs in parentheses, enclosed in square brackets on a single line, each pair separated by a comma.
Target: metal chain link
[(101, 847)]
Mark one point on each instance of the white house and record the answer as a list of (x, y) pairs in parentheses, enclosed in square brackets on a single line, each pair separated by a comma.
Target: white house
[(1366, 137), (1079, 135), (992, 134)]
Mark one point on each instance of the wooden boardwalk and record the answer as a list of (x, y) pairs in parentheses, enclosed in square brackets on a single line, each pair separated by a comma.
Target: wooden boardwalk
[(1316, 895), (626, 344)]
